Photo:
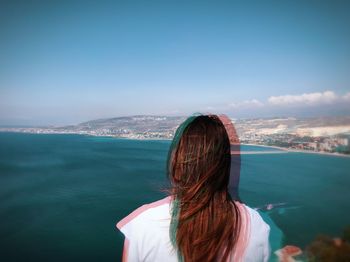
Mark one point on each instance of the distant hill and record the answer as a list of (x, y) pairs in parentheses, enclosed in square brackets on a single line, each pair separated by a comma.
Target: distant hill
[(160, 126), (129, 124)]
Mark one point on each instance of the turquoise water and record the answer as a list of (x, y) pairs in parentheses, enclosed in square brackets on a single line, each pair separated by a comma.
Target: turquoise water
[(61, 195)]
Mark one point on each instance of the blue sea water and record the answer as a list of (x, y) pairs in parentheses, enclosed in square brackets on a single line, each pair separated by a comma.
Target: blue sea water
[(61, 195)]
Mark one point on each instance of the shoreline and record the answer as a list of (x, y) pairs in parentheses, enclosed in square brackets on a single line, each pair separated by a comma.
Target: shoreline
[(298, 150), (170, 139)]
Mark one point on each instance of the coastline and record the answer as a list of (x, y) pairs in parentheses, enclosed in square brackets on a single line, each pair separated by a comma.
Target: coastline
[(170, 139), (298, 150)]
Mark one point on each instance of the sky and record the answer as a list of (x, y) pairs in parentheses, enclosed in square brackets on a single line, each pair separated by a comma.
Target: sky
[(66, 62)]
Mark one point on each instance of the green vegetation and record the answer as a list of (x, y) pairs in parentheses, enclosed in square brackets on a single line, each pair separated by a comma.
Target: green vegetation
[(326, 248)]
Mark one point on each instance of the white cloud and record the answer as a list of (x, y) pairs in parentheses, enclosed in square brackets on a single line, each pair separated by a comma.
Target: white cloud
[(316, 103), (327, 97), (346, 97), (247, 103)]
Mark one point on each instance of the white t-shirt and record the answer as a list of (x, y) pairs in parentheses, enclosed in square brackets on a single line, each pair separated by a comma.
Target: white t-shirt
[(146, 232)]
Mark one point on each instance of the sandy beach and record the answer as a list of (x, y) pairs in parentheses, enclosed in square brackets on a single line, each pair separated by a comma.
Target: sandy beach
[(299, 150)]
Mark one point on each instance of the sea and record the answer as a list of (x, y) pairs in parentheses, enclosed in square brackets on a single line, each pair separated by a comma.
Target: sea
[(61, 195)]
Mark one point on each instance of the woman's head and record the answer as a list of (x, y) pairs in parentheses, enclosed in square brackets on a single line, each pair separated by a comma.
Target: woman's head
[(199, 162), (205, 221)]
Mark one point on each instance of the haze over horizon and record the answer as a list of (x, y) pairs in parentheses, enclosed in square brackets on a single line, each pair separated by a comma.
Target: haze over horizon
[(67, 62)]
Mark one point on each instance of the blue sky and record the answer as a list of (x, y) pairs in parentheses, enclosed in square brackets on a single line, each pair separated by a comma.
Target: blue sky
[(64, 62)]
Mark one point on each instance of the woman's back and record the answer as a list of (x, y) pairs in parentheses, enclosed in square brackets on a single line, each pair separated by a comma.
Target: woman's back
[(146, 232), (199, 221)]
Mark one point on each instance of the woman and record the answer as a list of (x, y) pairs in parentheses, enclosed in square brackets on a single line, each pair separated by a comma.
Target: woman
[(198, 221)]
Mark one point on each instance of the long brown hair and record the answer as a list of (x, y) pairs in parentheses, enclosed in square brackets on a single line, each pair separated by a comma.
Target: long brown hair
[(205, 221)]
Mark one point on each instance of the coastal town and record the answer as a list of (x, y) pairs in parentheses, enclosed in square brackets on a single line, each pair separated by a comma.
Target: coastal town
[(329, 135), (321, 134)]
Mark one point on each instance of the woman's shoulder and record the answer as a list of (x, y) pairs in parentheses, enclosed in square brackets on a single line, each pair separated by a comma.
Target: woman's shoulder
[(256, 218), (259, 231), (147, 232), (258, 227), (146, 211)]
